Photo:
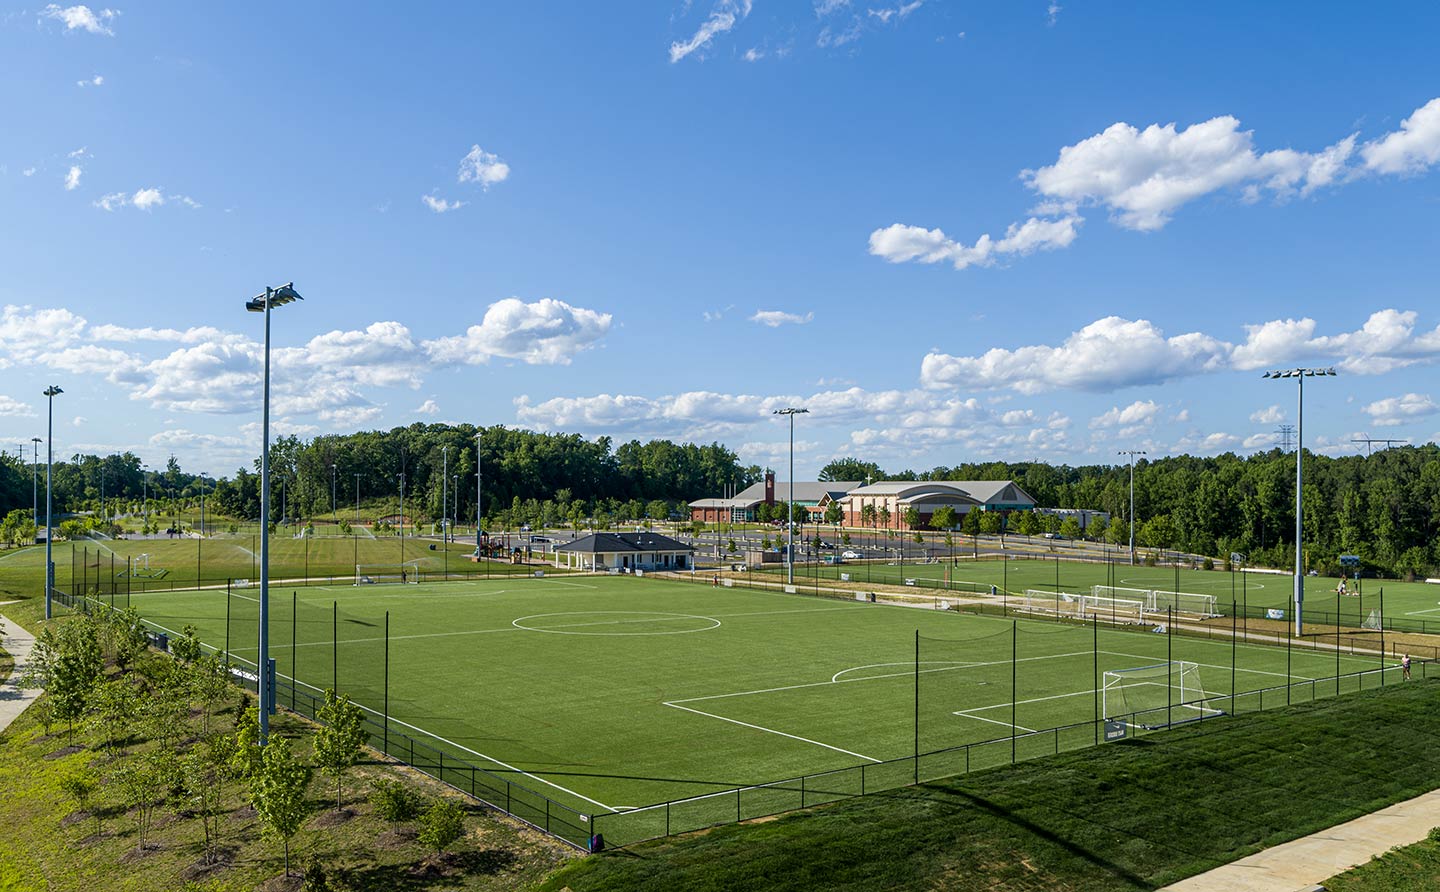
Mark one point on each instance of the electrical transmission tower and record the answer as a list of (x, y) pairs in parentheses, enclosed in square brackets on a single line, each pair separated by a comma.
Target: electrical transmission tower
[(1370, 441), (1286, 432)]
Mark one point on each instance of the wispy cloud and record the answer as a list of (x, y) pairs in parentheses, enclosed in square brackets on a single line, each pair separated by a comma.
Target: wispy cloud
[(777, 318), (440, 205), (72, 179), (723, 17), (1052, 13), (96, 81)]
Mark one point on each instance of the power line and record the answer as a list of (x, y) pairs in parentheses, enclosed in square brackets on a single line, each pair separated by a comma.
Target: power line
[(1286, 431)]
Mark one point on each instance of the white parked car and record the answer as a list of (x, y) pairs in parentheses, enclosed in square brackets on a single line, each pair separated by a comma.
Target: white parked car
[(851, 554)]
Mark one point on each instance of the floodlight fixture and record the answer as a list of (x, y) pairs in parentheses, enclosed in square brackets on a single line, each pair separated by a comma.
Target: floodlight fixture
[(1300, 374)]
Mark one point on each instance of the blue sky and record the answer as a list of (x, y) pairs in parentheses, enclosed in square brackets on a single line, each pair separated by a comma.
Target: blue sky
[(954, 231)]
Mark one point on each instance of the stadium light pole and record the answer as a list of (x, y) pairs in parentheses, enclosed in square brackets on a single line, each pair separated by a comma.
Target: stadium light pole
[(262, 303), (35, 481), (334, 515), (1299, 375), (444, 493), (456, 516), (790, 507), (478, 434), (1132, 453), (50, 392)]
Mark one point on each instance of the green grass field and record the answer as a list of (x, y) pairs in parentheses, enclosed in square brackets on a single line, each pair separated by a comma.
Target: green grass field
[(610, 693), (89, 565), (1406, 602)]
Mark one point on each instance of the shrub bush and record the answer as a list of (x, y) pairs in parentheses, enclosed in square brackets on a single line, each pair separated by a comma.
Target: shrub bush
[(394, 801)]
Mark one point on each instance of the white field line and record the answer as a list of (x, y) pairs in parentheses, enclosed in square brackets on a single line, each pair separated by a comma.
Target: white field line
[(773, 731), (1292, 676), (815, 684), (467, 749), (946, 664), (1423, 612), (981, 718), (610, 622)]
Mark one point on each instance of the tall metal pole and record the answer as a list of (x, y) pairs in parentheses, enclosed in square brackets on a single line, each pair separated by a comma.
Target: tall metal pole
[(1132, 453), (1300, 374), (285, 294), (477, 493), (50, 393), (262, 663), (790, 510), (444, 493), (1300, 506), (334, 517)]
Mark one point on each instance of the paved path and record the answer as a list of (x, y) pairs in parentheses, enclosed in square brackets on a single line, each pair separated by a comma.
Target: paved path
[(13, 700), (1299, 865)]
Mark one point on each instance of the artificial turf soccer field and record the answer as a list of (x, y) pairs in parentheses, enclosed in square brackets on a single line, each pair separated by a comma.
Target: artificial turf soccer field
[(608, 693), (1406, 602)]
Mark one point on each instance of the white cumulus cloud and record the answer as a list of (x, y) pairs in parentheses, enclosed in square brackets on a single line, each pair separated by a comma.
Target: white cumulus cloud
[(1412, 148), (82, 18), (1397, 410), (9, 406), (547, 331), (72, 179), (1268, 415), (96, 81), (485, 168)]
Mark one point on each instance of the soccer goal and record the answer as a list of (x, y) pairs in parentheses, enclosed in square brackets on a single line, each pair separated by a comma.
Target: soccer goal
[(1040, 601), (1115, 591), (1114, 609), (1372, 622), (1184, 602), (375, 574), (1155, 696)]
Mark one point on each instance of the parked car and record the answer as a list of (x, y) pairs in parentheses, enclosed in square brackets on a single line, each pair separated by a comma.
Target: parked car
[(853, 555)]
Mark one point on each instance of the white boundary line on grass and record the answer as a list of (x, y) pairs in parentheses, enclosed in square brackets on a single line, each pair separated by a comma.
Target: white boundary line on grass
[(461, 746), (771, 731)]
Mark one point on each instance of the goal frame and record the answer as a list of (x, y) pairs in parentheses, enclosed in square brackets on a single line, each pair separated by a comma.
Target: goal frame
[(1173, 675)]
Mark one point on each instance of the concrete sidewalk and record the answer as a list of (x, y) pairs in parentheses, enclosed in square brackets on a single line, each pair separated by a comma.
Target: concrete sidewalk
[(1301, 864), (13, 700)]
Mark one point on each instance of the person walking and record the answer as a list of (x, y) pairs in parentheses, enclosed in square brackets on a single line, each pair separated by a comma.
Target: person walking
[(1405, 667)]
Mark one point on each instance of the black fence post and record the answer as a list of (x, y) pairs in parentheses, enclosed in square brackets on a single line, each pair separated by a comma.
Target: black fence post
[(335, 647), (386, 747), (294, 653)]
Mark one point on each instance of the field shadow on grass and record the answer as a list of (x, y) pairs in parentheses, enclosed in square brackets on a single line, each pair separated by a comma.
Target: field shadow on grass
[(447, 870), (1037, 830)]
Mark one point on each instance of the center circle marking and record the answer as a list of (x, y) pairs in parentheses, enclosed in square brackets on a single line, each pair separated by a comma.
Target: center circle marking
[(594, 625)]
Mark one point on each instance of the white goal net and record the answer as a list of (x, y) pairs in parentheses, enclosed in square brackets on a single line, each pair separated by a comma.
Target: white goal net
[(1159, 600), (1155, 696), (1372, 622)]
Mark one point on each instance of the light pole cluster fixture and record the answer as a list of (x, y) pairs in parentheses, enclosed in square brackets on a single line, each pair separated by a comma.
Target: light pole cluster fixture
[(790, 509), (50, 392), (263, 303), (1132, 453), (1299, 375)]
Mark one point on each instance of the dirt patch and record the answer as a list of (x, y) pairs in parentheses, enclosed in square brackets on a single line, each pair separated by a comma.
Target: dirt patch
[(395, 838), (74, 818), (94, 839), (139, 854), (205, 869), (332, 818), (244, 812), (64, 751), (282, 883)]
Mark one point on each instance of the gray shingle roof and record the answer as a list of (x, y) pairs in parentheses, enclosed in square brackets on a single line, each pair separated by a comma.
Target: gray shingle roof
[(623, 543)]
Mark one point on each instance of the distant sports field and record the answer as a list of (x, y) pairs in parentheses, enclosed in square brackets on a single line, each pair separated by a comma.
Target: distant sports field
[(1409, 602), (609, 693)]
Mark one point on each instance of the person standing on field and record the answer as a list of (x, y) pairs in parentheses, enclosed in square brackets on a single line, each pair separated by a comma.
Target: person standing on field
[(1405, 667)]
